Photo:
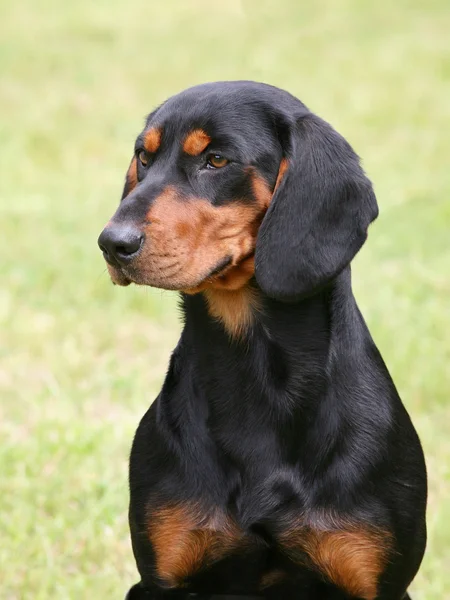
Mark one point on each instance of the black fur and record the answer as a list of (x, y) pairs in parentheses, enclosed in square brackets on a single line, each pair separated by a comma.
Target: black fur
[(301, 416), (323, 206)]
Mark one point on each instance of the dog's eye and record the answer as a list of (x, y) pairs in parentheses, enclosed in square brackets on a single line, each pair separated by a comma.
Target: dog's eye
[(143, 158), (216, 161)]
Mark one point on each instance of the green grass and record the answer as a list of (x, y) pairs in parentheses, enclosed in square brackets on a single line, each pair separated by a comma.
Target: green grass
[(80, 360)]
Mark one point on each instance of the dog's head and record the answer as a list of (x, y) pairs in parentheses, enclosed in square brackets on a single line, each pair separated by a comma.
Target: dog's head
[(236, 180)]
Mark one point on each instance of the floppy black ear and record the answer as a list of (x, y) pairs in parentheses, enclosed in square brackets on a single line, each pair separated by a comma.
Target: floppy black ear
[(319, 214)]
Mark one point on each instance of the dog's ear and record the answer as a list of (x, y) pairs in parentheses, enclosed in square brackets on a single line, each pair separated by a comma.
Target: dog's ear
[(319, 214)]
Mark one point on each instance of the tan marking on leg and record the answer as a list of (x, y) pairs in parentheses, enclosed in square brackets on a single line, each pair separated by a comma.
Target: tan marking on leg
[(185, 541), (353, 559), (152, 140), (196, 142)]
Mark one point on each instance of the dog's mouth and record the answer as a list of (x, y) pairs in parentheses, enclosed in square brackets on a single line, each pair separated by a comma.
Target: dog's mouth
[(117, 276), (124, 276), (220, 268), (192, 246)]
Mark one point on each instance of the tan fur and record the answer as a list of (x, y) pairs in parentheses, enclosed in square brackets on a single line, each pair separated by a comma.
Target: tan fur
[(281, 172), (152, 140), (185, 540), (190, 238), (132, 176), (196, 142), (117, 276), (352, 559), (261, 190), (234, 308)]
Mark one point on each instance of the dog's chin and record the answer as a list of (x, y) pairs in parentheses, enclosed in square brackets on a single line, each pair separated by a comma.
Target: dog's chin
[(125, 277), (117, 277), (128, 275)]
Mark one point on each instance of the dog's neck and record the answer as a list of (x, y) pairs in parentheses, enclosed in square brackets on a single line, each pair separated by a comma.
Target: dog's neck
[(285, 371), (239, 313), (295, 336)]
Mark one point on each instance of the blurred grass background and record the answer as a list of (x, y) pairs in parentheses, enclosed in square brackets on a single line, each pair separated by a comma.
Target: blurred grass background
[(81, 360)]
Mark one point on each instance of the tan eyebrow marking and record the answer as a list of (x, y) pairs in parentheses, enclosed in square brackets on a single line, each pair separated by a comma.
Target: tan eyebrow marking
[(196, 141), (152, 140)]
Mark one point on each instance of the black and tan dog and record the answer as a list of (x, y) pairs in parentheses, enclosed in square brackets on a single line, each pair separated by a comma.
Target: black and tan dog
[(278, 460)]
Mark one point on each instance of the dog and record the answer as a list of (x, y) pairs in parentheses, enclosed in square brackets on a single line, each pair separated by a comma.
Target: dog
[(278, 460)]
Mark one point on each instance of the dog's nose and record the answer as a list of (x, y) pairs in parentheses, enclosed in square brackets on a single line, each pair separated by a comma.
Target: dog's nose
[(120, 244)]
